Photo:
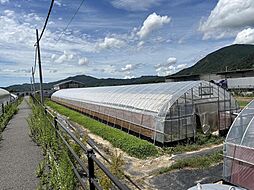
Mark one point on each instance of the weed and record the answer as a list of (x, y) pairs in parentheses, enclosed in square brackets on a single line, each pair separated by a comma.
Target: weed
[(59, 174), (195, 162)]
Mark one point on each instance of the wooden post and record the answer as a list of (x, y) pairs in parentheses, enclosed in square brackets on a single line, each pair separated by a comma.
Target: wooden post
[(33, 80)]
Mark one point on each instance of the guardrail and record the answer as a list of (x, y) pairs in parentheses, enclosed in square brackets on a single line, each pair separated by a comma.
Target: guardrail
[(83, 173)]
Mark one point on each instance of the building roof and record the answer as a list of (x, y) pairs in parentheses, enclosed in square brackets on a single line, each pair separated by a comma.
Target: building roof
[(235, 71)]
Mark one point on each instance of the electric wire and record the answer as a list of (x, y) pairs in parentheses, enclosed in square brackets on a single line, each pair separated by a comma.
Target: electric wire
[(73, 16), (46, 21)]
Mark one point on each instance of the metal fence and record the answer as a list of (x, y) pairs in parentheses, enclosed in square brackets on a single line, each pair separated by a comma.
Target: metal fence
[(83, 171)]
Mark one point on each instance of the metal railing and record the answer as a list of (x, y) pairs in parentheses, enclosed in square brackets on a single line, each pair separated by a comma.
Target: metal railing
[(83, 171)]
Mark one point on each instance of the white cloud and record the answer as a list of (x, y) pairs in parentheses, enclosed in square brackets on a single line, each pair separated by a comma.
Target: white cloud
[(32, 17), (152, 22), (83, 61), (181, 66), (227, 18), (65, 57), (110, 42), (246, 36), (135, 5), (58, 3), (169, 67), (53, 57), (4, 1), (129, 76), (140, 44), (128, 67), (164, 71), (131, 67), (9, 13), (170, 61)]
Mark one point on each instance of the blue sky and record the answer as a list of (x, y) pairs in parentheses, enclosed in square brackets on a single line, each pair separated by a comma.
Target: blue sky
[(118, 38)]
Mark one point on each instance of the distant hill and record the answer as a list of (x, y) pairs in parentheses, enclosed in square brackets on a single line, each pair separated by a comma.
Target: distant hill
[(234, 57), (91, 82)]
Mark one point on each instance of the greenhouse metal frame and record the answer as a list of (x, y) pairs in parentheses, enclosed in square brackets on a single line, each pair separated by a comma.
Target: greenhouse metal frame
[(239, 150), (163, 112)]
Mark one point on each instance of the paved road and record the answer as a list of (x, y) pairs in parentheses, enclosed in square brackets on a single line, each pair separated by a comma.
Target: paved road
[(19, 155)]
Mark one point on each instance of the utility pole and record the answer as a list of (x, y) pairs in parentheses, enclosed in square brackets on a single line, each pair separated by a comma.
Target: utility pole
[(31, 91), (33, 80), (40, 70)]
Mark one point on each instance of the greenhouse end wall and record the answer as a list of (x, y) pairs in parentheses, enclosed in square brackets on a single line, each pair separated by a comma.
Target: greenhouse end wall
[(162, 112), (238, 167), (4, 98)]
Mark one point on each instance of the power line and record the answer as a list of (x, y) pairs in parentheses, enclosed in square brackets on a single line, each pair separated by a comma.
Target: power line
[(46, 21), (73, 16)]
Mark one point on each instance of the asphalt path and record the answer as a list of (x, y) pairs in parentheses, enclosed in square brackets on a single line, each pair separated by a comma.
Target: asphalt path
[(19, 155)]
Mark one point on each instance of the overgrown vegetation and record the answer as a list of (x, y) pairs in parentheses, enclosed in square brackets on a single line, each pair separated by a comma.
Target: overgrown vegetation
[(10, 111), (201, 142), (130, 144), (116, 168), (200, 162), (54, 171)]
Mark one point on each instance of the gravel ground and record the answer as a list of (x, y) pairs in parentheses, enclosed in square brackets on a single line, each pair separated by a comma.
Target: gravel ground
[(186, 178), (19, 155)]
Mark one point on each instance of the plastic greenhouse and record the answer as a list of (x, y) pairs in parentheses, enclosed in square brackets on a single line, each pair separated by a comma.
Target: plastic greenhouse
[(239, 150), (163, 112), (4, 98)]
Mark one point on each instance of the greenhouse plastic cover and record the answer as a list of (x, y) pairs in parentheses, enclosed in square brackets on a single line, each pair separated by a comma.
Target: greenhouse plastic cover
[(164, 108), (146, 97), (239, 149), (4, 97), (3, 92)]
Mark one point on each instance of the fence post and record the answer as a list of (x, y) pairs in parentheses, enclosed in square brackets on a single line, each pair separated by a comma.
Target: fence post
[(91, 176), (2, 109), (56, 126)]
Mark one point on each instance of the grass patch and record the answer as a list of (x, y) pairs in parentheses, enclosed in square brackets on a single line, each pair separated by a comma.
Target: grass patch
[(243, 103), (202, 141), (196, 162), (10, 111), (130, 144), (55, 171)]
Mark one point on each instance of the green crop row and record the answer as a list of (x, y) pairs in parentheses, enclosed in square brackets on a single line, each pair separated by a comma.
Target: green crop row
[(130, 144)]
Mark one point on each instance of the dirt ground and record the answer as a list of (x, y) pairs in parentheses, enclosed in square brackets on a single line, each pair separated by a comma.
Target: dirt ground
[(184, 179), (245, 99)]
